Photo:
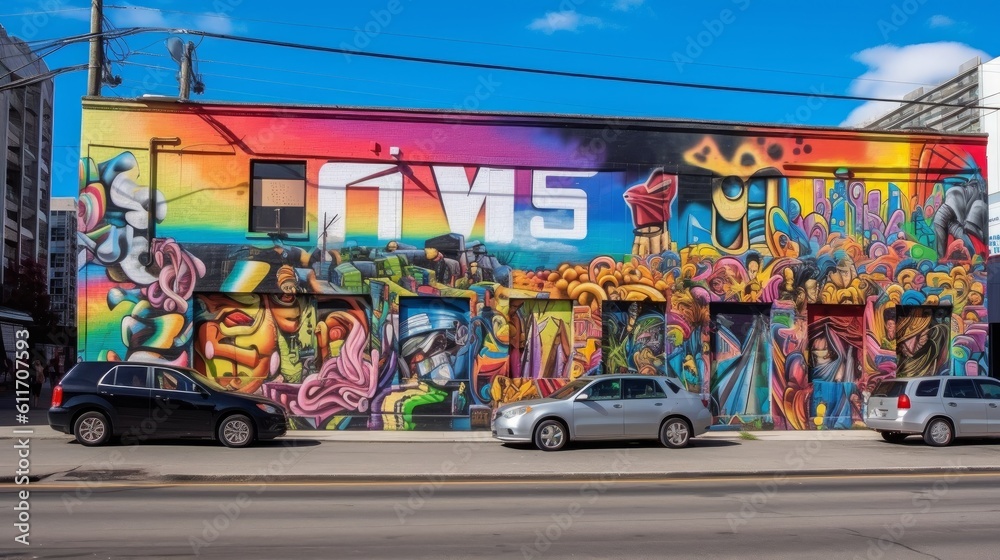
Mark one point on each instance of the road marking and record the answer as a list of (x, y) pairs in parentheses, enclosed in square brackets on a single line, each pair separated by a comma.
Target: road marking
[(598, 476)]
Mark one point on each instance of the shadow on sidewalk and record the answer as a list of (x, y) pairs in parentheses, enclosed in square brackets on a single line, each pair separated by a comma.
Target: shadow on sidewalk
[(917, 441), (624, 444), (202, 442)]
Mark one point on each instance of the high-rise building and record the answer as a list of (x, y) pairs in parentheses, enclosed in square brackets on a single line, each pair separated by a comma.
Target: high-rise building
[(62, 260), (26, 142)]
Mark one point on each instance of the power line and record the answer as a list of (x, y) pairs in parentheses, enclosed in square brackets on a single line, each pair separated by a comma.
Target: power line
[(538, 71), (523, 47), (260, 80), (53, 45), (31, 80), (563, 73), (46, 12), (363, 80)]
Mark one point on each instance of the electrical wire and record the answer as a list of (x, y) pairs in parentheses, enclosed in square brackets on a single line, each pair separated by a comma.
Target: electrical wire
[(381, 82), (260, 80), (31, 80), (53, 45), (538, 71), (565, 74), (524, 47), (46, 12)]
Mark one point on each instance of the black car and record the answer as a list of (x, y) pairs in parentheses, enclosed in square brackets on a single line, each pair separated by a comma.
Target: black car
[(139, 401)]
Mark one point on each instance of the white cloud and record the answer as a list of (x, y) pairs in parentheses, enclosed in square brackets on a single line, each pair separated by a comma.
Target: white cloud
[(626, 5), (69, 12), (940, 21), (895, 71), (138, 16), (141, 16), (214, 23), (567, 20)]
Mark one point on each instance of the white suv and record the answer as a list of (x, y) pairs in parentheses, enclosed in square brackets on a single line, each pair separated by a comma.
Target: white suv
[(941, 408)]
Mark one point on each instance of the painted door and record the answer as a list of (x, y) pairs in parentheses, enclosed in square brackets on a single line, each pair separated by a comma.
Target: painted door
[(633, 337), (833, 355), (741, 356), (435, 365), (542, 338), (923, 340), (602, 414)]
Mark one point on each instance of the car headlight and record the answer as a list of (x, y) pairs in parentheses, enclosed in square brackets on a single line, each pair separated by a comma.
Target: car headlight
[(516, 411), (268, 408)]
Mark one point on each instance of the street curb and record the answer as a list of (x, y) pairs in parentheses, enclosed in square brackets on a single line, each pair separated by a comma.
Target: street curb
[(563, 477), (485, 437)]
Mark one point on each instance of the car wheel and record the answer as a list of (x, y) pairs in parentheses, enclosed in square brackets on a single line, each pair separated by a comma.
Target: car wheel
[(92, 428), (236, 431), (893, 437), (551, 435), (938, 433), (675, 433)]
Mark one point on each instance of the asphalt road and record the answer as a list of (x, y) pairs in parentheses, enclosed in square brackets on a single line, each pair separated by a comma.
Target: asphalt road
[(876, 517)]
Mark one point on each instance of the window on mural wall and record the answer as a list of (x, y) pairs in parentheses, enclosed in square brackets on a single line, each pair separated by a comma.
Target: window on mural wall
[(278, 197)]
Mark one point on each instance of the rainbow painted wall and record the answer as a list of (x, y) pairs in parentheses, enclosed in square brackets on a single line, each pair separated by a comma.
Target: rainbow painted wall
[(450, 263)]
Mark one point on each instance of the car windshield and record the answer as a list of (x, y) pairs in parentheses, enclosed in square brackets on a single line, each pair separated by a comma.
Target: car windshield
[(568, 390)]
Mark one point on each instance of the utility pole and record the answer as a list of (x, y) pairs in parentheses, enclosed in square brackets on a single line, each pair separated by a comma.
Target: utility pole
[(186, 71), (326, 226), (96, 62)]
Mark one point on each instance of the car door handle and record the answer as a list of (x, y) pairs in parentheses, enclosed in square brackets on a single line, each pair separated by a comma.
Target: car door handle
[(657, 404), (952, 404), (617, 405), (993, 405)]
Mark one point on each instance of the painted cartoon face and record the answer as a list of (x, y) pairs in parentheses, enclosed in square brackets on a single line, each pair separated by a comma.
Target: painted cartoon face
[(718, 285), (812, 290), (236, 341), (431, 357), (890, 329), (844, 274), (820, 351), (914, 344), (287, 312)]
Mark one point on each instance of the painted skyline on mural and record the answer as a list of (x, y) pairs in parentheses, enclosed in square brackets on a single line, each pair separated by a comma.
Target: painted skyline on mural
[(467, 261)]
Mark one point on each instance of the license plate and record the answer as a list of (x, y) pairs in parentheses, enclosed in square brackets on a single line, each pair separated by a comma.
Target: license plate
[(877, 413)]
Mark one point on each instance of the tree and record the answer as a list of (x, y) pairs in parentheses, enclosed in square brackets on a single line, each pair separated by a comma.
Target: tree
[(31, 295)]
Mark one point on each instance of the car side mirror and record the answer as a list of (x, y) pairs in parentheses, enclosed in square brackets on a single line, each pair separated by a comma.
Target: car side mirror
[(582, 397), (202, 391)]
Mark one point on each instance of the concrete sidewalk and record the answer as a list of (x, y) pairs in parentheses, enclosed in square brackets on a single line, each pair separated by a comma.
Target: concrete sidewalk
[(435, 457)]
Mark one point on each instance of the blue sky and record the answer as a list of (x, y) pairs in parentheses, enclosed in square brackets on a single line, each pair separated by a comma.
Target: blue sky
[(862, 47)]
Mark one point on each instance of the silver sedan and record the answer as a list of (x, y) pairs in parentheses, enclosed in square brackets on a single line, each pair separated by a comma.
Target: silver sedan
[(606, 407)]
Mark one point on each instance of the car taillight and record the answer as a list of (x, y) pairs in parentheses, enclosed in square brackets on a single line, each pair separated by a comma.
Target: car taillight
[(705, 400), (57, 396), (903, 402)]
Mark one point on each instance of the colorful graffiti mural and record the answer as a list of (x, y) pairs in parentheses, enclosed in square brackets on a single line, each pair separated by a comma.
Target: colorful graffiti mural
[(783, 272)]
